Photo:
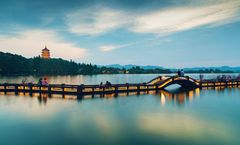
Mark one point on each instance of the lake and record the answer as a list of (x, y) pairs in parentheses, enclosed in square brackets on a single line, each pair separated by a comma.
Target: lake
[(208, 116)]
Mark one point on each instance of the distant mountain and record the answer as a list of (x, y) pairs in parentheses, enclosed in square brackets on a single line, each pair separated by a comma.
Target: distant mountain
[(131, 65), (221, 68)]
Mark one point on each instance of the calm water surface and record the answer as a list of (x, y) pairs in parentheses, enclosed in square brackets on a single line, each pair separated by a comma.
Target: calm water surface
[(194, 117)]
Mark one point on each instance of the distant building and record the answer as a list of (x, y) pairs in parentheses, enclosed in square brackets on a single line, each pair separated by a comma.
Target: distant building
[(46, 53)]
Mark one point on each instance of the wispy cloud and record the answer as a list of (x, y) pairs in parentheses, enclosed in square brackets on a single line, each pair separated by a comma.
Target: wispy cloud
[(112, 47), (30, 42), (98, 20), (106, 48), (95, 20), (185, 18)]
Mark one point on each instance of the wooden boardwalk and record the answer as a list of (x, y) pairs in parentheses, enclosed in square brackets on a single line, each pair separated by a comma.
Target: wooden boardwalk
[(80, 91)]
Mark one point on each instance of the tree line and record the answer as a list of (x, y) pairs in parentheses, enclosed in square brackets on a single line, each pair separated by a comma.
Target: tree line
[(12, 64)]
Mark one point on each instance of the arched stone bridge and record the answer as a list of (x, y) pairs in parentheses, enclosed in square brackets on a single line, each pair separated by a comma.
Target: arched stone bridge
[(165, 81)]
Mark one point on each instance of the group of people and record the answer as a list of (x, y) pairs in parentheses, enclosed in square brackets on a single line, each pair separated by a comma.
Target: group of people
[(180, 73), (238, 77), (107, 84), (227, 77), (25, 81), (223, 77), (43, 81)]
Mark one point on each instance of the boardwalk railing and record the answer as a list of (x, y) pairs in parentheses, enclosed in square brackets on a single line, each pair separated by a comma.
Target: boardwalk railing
[(215, 83), (78, 90)]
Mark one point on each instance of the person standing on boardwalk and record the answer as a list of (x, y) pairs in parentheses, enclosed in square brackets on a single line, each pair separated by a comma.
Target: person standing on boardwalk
[(40, 81), (108, 84), (45, 82), (238, 77), (179, 73), (201, 77), (101, 85)]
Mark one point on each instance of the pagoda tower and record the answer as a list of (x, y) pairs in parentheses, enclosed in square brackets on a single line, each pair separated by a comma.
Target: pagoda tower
[(46, 53)]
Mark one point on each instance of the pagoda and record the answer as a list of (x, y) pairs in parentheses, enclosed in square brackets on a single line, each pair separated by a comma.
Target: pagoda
[(46, 53)]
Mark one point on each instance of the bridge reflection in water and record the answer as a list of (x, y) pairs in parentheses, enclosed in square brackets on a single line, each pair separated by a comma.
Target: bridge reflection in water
[(178, 96)]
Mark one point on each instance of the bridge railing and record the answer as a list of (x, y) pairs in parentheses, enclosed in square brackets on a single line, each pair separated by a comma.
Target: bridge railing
[(76, 89), (158, 79), (155, 80), (175, 78)]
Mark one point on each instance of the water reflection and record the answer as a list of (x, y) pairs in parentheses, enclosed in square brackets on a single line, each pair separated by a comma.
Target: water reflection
[(42, 99), (144, 118), (179, 96)]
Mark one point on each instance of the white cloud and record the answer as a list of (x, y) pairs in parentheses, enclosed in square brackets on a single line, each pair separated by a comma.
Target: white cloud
[(184, 18), (98, 20), (95, 20), (30, 42), (112, 47), (106, 48)]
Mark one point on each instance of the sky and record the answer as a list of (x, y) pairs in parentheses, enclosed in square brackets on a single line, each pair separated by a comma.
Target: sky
[(167, 33)]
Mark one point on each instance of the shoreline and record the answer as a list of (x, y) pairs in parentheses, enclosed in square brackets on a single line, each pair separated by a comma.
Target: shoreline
[(37, 75)]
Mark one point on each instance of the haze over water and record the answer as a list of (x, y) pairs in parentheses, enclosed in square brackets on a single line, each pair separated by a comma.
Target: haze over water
[(209, 116)]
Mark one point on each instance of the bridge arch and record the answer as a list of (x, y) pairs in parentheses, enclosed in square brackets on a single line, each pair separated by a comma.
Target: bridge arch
[(182, 82), (185, 82)]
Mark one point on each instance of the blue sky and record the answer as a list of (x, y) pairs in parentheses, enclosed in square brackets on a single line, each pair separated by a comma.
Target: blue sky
[(168, 33)]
